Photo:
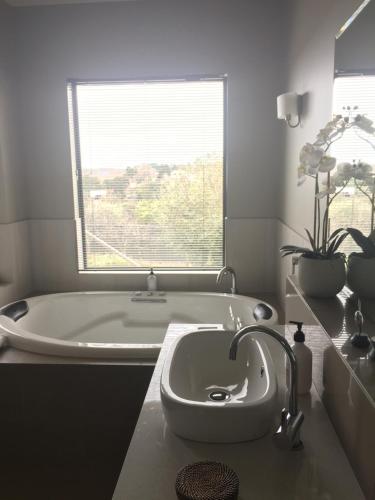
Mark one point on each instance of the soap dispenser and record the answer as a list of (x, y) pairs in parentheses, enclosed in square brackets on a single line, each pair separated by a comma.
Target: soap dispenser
[(152, 281), (304, 360)]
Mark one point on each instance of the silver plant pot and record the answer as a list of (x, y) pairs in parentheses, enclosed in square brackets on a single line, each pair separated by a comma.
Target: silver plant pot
[(321, 278), (361, 276)]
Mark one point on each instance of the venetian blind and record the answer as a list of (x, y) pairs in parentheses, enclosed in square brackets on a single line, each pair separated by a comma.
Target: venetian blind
[(351, 208), (149, 159)]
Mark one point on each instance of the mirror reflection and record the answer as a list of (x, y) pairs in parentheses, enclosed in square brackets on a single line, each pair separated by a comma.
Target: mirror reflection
[(354, 92)]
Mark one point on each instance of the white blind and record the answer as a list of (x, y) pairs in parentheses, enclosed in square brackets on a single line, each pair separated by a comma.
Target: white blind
[(150, 167), (351, 208)]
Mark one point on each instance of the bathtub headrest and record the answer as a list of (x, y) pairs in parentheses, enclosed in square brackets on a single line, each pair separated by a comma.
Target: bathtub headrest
[(262, 311), (16, 310)]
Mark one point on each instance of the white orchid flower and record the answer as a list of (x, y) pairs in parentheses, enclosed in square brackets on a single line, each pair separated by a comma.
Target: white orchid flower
[(327, 164), (345, 170), (312, 170), (326, 192), (311, 155), (337, 180), (362, 171), (324, 181), (301, 180), (320, 141), (324, 135)]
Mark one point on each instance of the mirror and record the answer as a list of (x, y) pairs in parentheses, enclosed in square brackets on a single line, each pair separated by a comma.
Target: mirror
[(354, 87)]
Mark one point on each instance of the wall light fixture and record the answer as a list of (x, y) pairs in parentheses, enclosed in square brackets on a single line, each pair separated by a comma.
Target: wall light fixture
[(288, 108)]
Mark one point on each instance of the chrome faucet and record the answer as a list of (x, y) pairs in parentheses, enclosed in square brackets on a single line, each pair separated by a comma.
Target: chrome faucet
[(224, 272), (287, 436)]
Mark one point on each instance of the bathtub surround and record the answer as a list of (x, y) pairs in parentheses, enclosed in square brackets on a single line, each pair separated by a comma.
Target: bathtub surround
[(68, 438)]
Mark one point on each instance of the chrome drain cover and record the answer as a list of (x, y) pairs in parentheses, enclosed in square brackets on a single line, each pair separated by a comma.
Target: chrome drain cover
[(219, 395)]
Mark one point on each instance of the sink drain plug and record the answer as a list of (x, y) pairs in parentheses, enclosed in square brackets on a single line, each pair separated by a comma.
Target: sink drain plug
[(219, 395)]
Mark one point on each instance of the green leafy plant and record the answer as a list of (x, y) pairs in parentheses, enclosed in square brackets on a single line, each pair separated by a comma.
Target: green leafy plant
[(329, 251), (366, 243)]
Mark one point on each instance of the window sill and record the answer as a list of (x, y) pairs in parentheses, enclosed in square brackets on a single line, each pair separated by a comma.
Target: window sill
[(145, 272)]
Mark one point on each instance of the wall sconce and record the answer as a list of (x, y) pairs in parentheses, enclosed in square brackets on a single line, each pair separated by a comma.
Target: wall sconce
[(288, 108)]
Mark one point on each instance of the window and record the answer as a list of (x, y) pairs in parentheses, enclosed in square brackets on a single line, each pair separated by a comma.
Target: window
[(149, 163), (351, 208)]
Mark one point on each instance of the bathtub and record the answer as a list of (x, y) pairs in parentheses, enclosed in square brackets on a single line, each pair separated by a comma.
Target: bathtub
[(123, 325)]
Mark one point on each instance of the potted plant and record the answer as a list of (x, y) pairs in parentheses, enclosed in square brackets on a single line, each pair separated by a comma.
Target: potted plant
[(321, 269), (361, 265)]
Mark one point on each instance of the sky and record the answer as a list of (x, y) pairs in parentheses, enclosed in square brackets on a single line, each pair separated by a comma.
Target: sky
[(129, 124)]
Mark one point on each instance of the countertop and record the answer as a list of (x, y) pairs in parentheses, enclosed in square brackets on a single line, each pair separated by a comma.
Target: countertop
[(320, 471), (336, 315)]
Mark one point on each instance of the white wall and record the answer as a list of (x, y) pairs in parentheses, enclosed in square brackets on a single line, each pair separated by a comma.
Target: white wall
[(134, 39), (246, 40), (15, 274), (312, 26)]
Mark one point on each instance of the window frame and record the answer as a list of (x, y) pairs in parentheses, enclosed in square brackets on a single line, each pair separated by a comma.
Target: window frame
[(79, 215)]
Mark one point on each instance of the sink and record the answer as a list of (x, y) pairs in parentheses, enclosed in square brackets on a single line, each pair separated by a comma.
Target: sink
[(207, 397)]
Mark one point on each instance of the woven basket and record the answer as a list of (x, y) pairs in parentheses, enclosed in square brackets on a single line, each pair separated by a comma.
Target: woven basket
[(207, 481)]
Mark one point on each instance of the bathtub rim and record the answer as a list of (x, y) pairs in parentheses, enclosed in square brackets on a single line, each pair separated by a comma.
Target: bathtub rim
[(24, 340)]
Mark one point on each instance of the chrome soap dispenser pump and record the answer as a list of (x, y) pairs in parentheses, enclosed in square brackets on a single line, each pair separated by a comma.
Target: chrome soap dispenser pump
[(152, 281)]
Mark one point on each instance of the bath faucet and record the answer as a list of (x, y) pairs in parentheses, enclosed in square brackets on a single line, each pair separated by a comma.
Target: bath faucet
[(287, 436), (224, 272)]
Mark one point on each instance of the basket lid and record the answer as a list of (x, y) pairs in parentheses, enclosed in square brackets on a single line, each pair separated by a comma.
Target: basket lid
[(207, 481)]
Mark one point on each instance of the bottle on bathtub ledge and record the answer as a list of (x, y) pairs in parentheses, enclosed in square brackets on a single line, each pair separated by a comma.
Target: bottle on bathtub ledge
[(152, 282)]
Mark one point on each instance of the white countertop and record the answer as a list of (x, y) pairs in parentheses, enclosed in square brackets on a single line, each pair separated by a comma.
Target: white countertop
[(336, 315), (320, 471)]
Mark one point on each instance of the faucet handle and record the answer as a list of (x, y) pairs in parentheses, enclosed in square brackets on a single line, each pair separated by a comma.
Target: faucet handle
[(287, 436)]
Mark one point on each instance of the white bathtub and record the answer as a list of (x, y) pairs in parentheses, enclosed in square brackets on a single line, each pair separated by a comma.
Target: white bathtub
[(124, 325)]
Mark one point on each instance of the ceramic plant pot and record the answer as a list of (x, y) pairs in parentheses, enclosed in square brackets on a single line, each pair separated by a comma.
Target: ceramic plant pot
[(321, 278), (361, 276)]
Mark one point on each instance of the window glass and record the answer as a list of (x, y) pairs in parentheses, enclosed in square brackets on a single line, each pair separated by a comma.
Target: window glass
[(149, 159)]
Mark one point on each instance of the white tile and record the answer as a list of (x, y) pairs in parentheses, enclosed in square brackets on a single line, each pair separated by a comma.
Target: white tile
[(285, 236), (250, 249), (250, 246), (15, 262)]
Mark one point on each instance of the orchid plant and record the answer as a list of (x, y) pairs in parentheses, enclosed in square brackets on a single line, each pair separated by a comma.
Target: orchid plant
[(330, 179)]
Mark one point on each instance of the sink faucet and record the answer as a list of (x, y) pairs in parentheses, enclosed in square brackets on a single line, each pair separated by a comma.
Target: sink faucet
[(287, 436), (224, 272)]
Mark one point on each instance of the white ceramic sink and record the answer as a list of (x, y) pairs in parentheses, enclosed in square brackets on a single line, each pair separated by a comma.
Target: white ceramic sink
[(207, 397)]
